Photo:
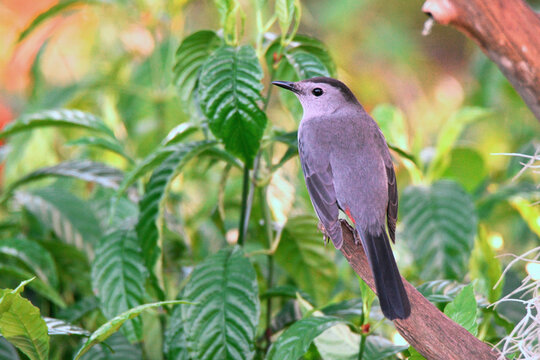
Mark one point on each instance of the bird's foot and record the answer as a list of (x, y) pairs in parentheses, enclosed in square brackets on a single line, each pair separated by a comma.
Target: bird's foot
[(322, 229), (355, 233)]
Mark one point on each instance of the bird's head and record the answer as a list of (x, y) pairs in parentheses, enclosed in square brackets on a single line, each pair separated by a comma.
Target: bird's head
[(320, 95)]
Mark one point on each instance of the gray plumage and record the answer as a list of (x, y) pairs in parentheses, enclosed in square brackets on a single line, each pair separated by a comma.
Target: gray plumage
[(347, 166)]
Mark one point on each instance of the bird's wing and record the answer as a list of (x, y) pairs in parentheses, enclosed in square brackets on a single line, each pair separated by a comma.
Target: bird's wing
[(321, 190), (392, 208)]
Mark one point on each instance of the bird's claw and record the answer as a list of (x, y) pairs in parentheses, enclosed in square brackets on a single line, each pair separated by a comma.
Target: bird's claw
[(322, 229), (356, 236)]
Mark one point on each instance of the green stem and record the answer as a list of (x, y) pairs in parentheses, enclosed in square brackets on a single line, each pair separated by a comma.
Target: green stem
[(269, 237), (362, 346), (242, 226)]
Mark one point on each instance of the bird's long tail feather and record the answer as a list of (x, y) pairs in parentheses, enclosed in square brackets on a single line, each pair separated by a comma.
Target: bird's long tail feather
[(390, 289)]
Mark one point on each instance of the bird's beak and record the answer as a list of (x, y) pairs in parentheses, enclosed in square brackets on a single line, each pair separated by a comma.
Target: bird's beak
[(287, 85)]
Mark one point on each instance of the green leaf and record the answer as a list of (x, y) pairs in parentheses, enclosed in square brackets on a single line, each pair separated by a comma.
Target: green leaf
[(449, 134), (118, 276), (54, 11), (463, 310), (34, 256), (440, 291), (149, 226), (302, 254), (61, 117), (392, 122), (529, 213), (306, 65), (340, 343), (439, 223), (223, 324), (76, 311), (295, 341), (102, 143), (175, 337), (112, 326), (229, 89), (190, 56), (8, 351), (68, 216), (117, 348), (37, 285), (60, 327), (461, 161), (179, 133), (86, 170), (22, 325), (314, 47), (285, 15), (485, 267), (228, 14)]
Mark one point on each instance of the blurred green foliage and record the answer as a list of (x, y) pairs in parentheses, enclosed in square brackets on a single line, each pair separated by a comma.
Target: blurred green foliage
[(161, 165)]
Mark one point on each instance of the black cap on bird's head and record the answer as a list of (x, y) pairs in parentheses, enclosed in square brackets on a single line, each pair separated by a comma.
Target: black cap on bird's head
[(320, 95)]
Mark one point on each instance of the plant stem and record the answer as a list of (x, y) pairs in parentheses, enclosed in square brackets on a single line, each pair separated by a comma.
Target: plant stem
[(362, 346), (270, 270), (242, 226)]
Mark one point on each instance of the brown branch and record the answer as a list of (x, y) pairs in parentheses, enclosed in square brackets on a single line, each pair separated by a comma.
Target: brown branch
[(427, 329), (508, 31)]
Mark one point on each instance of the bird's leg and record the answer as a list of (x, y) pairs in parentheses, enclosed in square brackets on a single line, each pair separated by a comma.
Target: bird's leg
[(322, 229), (355, 233)]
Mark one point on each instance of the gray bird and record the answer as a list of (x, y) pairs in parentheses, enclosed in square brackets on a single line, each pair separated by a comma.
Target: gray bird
[(347, 166)]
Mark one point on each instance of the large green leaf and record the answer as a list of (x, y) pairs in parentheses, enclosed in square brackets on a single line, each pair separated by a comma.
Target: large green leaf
[(149, 226), (306, 65), (190, 56), (34, 256), (302, 254), (21, 324), (61, 117), (461, 161), (223, 324), (295, 341), (112, 326), (439, 223), (117, 348), (449, 134), (229, 89), (68, 216), (175, 337), (463, 309), (86, 170), (118, 276)]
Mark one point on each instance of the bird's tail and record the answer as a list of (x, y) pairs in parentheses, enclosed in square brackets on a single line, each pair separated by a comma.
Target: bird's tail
[(390, 289)]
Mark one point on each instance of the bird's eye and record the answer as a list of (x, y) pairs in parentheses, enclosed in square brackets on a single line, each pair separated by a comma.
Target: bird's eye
[(317, 92)]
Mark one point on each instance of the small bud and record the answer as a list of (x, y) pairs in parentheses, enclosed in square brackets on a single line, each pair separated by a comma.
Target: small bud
[(276, 57), (365, 328)]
